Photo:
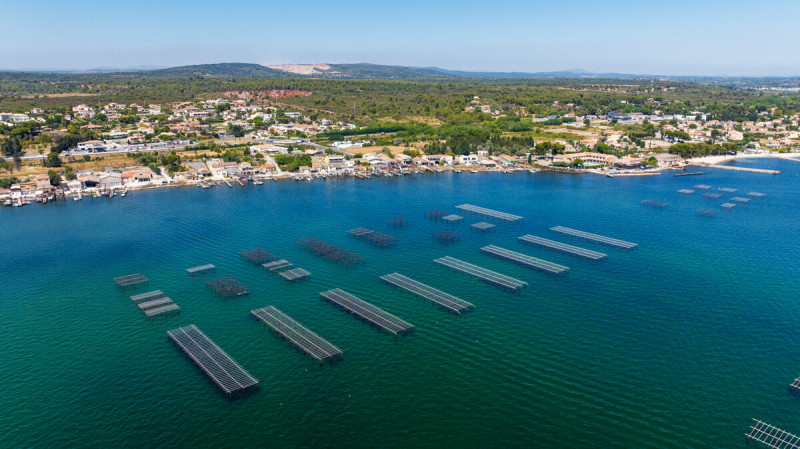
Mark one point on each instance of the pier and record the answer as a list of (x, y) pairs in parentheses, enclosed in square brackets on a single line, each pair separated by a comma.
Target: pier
[(277, 265), (131, 280), (227, 287), (212, 360), (594, 237), (654, 204), (563, 247), (328, 251), (773, 436), (296, 274), (257, 256), (483, 274), (374, 237), (748, 169), (439, 297), (304, 339), (367, 312), (447, 236), (202, 269), (525, 260), (483, 226), (484, 212)]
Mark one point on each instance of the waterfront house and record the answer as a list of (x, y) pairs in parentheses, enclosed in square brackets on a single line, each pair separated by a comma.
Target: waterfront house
[(668, 160)]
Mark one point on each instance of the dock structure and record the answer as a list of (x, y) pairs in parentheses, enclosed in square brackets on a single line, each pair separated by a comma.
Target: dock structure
[(728, 206), (727, 190), (296, 274), (484, 212), (706, 212), (481, 273), (227, 287), (525, 260), (712, 196), (563, 247), (131, 280), (303, 338), (328, 251), (594, 237), (453, 218), (756, 194), (772, 436), (374, 237), (445, 300), (162, 306), (229, 377), (434, 214), (257, 256), (686, 191), (202, 269), (702, 187), (277, 265), (795, 385), (149, 296), (398, 221), (739, 199), (367, 312), (483, 226), (446, 236), (654, 204)]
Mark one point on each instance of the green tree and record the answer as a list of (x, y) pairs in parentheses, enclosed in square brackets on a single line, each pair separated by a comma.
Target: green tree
[(52, 160), (55, 178)]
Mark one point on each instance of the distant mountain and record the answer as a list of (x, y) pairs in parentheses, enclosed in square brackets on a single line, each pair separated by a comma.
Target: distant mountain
[(221, 70)]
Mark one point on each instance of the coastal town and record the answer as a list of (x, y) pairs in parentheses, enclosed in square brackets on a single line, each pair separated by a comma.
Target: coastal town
[(249, 138)]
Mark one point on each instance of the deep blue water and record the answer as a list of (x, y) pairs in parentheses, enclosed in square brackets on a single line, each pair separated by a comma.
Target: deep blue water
[(678, 343)]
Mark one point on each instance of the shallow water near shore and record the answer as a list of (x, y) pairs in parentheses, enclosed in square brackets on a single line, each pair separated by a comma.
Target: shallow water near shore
[(678, 343)]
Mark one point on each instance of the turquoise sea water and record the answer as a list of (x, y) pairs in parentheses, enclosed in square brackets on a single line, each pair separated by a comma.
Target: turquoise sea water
[(676, 344)]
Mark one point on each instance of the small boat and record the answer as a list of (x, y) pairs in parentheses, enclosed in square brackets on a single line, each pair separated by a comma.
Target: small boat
[(473, 171), (458, 171), (533, 171), (75, 198)]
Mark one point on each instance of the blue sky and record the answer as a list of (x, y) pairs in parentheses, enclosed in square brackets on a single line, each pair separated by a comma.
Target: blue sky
[(705, 37)]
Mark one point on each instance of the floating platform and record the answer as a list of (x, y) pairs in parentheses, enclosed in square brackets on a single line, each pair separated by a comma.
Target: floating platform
[(706, 212), (795, 385), (231, 378), (155, 303), (525, 260), (483, 274), (482, 211), (594, 237), (399, 221), (257, 256), (202, 269), (131, 280), (359, 231), (277, 265), (773, 436), (727, 190), (712, 196), (654, 204), (728, 206), (483, 226), (374, 237), (686, 191), (303, 338), (446, 236), (367, 312), (328, 251), (296, 274), (756, 194), (434, 214), (453, 218), (563, 247), (149, 296), (739, 199), (227, 287), (441, 298), (702, 187)]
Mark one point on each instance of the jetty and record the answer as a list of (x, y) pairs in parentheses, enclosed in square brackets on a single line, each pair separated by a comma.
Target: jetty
[(773, 436), (595, 238), (447, 236), (483, 226), (483, 274), (257, 256), (155, 303), (227, 287), (445, 300), (563, 247), (202, 269), (694, 173), (525, 260), (277, 265), (296, 274), (131, 280), (747, 169), (484, 212), (654, 204), (304, 339), (367, 312), (374, 237), (229, 377), (328, 251)]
